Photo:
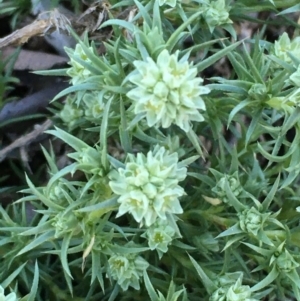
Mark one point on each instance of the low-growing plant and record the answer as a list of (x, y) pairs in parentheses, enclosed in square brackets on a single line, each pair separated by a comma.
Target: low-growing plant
[(186, 187)]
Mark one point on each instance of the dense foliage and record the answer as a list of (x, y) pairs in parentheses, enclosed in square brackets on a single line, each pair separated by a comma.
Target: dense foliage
[(179, 187)]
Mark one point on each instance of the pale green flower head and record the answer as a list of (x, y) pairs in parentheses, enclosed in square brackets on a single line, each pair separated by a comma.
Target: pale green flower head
[(171, 3), (218, 295), (70, 112), (127, 270), (285, 45), (173, 145), (167, 91), (231, 289), (148, 185), (251, 220), (216, 13), (295, 77), (206, 242), (159, 236), (285, 262), (94, 105), (56, 192), (239, 292), (89, 160), (233, 183), (77, 72), (10, 297), (65, 223), (258, 92)]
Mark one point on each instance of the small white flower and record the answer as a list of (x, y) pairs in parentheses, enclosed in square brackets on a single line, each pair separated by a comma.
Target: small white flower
[(77, 72), (231, 289), (10, 297), (94, 105), (285, 45), (171, 3), (70, 113), (216, 14), (148, 186), (295, 77), (159, 236), (127, 270), (168, 91), (239, 292)]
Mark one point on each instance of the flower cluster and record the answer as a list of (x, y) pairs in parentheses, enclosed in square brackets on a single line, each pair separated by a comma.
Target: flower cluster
[(78, 72), (258, 92), (11, 297), (295, 77), (89, 160), (127, 270), (57, 193), (251, 220), (284, 46), (231, 289), (284, 261), (233, 183), (64, 223), (148, 185), (216, 13), (168, 91), (71, 113), (171, 3), (94, 105), (159, 236)]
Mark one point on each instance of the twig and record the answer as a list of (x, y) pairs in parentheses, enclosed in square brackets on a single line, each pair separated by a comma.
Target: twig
[(25, 140), (22, 35), (55, 21)]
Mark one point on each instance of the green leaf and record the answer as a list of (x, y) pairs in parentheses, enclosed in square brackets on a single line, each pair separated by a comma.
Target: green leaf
[(12, 276), (64, 254), (53, 72), (207, 282), (290, 10), (269, 198), (274, 158), (129, 26), (150, 289), (251, 65), (217, 56), (128, 250), (77, 88), (195, 141), (142, 11), (174, 38), (266, 281), (34, 285), (42, 227), (253, 126), (37, 241), (235, 229), (123, 131), (42, 197), (71, 140), (97, 269), (232, 240), (107, 205), (238, 206), (60, 174), (103, 134)]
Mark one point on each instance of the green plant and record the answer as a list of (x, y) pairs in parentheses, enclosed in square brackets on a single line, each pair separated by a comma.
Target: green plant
[(185, 189)]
